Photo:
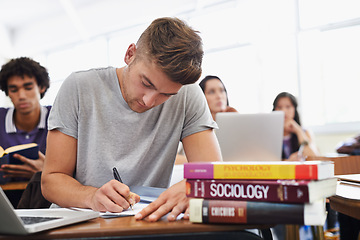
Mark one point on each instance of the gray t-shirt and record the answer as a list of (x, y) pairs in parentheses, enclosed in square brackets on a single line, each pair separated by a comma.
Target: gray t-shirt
[(91, 108)]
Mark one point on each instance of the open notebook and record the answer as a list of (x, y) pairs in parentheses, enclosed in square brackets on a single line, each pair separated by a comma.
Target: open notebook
[(25, 221), (147, 196), (250, 137)]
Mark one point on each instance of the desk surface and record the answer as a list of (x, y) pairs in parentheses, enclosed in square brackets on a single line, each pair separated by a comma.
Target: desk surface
[(128, 226)]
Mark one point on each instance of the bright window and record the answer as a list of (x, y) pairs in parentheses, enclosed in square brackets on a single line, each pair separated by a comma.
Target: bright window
[(259, 48), (330, 71)]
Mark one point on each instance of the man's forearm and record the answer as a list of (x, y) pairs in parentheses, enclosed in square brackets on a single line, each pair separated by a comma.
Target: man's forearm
[(66, 191)]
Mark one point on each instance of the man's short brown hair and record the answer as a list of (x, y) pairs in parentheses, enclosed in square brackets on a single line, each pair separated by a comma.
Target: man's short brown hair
[(175, 47)]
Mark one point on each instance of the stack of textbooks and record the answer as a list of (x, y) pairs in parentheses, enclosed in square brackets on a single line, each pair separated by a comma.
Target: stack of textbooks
[(259, 192)]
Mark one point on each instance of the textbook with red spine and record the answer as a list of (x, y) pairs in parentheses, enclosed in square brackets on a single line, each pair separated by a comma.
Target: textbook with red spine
[(286, 191), (307, 170), (246, 212)]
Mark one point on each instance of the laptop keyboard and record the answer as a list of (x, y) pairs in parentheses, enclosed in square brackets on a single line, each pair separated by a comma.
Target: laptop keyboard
[(33, 220)]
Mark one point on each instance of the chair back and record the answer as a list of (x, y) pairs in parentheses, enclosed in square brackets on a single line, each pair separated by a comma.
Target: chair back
[(32, 196)]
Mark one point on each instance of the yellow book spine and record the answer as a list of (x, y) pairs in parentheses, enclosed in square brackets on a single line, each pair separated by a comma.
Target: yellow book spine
[(230, 171)]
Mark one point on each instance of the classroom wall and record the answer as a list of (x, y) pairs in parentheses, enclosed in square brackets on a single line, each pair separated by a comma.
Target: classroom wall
[(4, 100)]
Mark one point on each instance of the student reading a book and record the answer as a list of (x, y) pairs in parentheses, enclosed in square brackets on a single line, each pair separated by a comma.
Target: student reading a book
[(296, 139), (131, 118), (218, 101), (25, 81)]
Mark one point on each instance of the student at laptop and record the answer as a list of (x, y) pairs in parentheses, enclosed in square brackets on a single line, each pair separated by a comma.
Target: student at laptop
[(25, 81), (131, 118), (294, 135), (218, 101), (294, 138), (216, 95)]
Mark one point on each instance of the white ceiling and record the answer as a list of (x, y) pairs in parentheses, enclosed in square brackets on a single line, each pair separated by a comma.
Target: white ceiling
[(32, 26)]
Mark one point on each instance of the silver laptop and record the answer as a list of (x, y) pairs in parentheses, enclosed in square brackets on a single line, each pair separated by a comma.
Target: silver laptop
[(25, 221), (250, 137)]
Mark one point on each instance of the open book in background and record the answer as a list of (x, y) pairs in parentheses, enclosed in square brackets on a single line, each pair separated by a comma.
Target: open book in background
[(29, 150)]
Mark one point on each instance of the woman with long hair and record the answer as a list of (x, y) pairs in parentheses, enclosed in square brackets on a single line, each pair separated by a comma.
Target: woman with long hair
[(216, 95), (298, 142), (217, 99)]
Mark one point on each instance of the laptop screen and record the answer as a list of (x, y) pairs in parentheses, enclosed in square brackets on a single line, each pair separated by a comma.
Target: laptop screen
[(250, 137)]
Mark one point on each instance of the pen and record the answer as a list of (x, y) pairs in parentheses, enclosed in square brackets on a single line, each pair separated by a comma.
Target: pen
[(117, 177), (301, 150)]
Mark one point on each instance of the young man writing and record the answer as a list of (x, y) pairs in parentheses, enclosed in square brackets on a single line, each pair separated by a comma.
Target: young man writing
[(131, 118), (25, 81)]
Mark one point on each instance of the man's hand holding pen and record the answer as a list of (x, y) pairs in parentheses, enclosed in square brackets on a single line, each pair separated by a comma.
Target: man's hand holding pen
[(113, 196), (117, 177)]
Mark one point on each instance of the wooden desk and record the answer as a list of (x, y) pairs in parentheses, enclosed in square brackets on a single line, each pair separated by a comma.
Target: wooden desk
[(128, 227), (347, 202), (14, 186), (346, 206)]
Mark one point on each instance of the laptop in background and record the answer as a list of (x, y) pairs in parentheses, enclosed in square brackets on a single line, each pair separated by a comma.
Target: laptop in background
[(26, 221), (250, 137)]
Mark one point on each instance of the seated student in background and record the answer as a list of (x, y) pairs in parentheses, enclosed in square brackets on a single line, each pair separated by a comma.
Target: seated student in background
[(294, 137), (216, 95), (294, 134), (217, 100), (349, 146), (25, 81), (131, 118)]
